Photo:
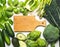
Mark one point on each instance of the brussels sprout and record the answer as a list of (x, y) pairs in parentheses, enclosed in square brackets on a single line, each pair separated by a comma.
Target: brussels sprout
[(9, 14), (10, 9), (31, 43), (34, 35), (41, 42)]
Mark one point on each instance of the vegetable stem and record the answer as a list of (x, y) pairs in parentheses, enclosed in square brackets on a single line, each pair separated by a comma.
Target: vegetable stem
[(52, 44)]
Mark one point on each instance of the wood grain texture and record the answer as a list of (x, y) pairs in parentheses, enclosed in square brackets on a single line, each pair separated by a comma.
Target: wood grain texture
[(26, 23)]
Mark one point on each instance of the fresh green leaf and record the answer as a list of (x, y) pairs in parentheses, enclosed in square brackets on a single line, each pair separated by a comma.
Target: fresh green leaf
[(52, 11)]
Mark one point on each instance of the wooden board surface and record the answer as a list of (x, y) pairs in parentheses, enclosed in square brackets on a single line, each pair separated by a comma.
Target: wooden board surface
[(26, 23)]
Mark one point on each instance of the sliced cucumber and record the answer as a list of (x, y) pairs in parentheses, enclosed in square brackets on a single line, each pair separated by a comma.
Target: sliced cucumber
[(21, 36), (22, 44)]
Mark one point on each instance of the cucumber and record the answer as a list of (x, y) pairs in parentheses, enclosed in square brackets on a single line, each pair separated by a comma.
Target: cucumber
[(22, 44), (1, 40), (21, 36), (6, 37), (9, 30), (15, 42)]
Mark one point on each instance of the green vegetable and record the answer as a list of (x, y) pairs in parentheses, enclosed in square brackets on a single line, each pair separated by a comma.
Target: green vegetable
[(10, 21), (34, 35), (34, 5), (24, 11), (9, 14), (41, 42), (15, 42), (21, 36), (6, 37), (21, 4), (1, 40), (9, 30), (3, 2), (4, 15), (1, 26), (52, 14), (51, 34), (58, 2), (16, 10), (31, 43), (22, 44), (10, 2), (15, 2), (9, 9)]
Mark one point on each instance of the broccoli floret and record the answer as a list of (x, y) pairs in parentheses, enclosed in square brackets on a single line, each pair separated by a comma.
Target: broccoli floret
[(34, 35), (42, 42), (51, 34)]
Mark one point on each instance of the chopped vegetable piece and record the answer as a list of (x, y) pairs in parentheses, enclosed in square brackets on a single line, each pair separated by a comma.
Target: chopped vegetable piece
[(21, 36)]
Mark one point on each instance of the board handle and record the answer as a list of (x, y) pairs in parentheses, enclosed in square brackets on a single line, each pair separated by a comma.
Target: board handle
[(41, 23)]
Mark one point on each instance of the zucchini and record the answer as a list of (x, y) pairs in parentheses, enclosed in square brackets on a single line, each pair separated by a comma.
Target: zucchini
[(21, 36), (1, 40), (22, 44), (15, 42), (6, 37), (9, 30)]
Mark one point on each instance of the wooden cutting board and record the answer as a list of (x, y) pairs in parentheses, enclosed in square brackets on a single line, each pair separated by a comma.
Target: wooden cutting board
[(26, 23)]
